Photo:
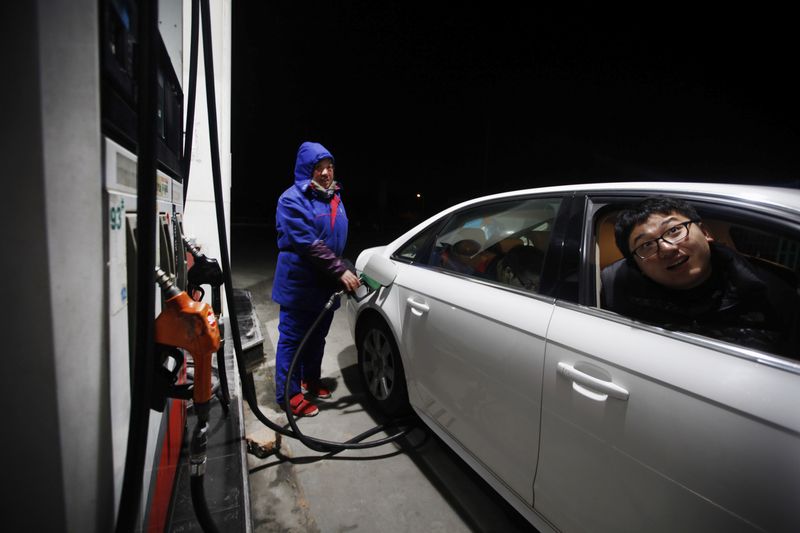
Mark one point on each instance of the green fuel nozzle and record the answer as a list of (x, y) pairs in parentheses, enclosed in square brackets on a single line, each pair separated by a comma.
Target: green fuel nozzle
[(369, 282)]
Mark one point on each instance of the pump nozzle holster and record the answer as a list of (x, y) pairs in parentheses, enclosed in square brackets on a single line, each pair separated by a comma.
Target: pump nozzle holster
[(204, 271)]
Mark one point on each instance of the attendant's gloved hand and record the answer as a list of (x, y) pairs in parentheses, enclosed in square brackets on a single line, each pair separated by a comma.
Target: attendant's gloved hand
[(350, 281)]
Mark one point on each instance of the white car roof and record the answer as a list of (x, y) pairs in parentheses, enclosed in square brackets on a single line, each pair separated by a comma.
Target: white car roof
[(779, 197)]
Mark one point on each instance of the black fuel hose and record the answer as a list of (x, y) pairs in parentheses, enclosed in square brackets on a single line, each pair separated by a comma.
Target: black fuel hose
[(222, 372), (248, 387), (314, 443), (198, 459), (198, 456), (144, 366), (191, 97), (200, 506)]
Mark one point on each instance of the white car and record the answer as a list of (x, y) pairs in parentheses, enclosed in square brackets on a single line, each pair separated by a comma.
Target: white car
[(490, 326)]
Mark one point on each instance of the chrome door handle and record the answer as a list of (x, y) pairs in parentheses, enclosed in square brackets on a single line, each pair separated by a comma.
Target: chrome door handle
[(421, 307), (606, 387)]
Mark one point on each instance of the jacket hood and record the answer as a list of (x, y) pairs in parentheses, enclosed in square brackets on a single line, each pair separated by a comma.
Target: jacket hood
[(308, 155)]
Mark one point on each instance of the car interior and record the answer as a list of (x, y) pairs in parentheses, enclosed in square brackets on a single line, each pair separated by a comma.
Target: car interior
[(514, 260)]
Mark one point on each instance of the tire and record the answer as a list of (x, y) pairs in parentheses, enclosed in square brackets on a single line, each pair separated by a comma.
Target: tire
[(381, 369)]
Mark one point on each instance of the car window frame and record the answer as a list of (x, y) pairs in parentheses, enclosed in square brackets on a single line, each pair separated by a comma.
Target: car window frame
[(421, 259), (765, 217), (549, 283)]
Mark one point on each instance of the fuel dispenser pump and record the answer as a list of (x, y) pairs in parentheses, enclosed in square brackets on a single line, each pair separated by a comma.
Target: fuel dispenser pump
[(192, 326)]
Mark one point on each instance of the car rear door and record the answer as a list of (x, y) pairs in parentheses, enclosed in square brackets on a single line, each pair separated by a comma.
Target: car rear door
[(475, 348), (650, 430), (477, 355)]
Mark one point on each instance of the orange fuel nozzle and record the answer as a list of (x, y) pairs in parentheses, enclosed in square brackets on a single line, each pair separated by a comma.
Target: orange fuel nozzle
[(192, 326)]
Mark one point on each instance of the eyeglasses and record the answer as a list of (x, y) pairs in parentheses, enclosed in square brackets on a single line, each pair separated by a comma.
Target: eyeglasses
[(673, 235)]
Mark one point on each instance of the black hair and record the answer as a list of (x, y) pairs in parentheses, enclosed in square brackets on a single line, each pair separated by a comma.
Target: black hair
[(639, 213)]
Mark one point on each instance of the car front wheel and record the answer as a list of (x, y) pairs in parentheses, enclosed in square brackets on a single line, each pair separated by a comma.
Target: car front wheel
[(381, 368)]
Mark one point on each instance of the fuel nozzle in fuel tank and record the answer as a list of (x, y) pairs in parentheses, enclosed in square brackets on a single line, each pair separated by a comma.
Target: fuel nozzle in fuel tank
[(367, 287), (185, 323), (369, 282), (378, 272)]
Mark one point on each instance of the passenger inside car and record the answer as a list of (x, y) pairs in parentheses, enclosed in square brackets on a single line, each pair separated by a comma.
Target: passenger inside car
[(466, 254), (506, 243), (521, 266), (675, 274)]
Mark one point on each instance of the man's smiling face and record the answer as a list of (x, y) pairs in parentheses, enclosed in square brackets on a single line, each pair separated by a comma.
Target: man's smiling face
[(683, 265)]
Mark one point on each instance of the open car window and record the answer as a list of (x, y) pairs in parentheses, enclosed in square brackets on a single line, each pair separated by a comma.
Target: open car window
[(755, 292)]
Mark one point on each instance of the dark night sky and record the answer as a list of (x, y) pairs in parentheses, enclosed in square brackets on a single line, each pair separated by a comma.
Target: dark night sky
[(454, 103)]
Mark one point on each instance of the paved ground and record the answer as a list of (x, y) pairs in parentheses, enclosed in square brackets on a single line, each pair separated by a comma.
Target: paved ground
[(415, 485)]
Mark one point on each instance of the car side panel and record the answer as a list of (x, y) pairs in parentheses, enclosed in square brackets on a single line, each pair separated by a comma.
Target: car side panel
[(477, 355), (705, 441)]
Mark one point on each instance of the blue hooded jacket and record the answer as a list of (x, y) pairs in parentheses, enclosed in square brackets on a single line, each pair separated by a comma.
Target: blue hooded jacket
[(312, 233)]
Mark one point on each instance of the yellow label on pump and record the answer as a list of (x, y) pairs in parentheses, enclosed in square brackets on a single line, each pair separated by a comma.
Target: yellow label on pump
[(162, 187)]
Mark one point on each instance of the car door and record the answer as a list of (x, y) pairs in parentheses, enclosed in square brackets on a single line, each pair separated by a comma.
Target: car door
[(645, 429), (476, 345)]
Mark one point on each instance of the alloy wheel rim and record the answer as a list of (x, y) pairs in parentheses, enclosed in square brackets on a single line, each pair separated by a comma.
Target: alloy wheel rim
[(378, 364)]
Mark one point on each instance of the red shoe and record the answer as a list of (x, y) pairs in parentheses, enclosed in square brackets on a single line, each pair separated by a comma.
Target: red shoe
[(315, 389), (302, 407)]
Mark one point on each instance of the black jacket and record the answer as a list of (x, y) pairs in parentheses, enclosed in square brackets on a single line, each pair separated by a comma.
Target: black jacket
[(746, 301)]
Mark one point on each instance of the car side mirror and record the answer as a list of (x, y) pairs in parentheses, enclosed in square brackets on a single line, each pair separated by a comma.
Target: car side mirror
[(380, 269)]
